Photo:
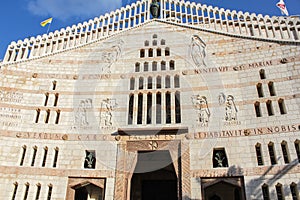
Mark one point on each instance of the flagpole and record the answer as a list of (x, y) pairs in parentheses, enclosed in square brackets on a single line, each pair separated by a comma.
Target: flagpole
[(48, 27)]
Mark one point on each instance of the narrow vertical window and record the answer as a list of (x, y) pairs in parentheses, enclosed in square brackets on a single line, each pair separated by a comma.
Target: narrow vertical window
[(158, 52), (33, 155), (38, 191), (257, 109), (57, 116), (141, 83), (172, 65), (177, 108), (259, 90), (294, 191), (176, 81), (279, 192), (259, 154), (46, 99), (45, 156), (262, 74), (271, 88), (167, 82), (47, 116), (146, 43), (37, 115), (281, 106), (297, 148), (54, 85), (55, 99), (154, 36), (272, 153), (55, 157), (270, 108), (132, 81), (154, 66), (163, 42), (23, 155), (137, 67), (149, 82), (158, 108), (163, 65), (168, 108), (50, 188), (150, 52), (26, 191), (167, 51), (146, 67), (265, 192), (142, 53), (149, 108), (154, 42), (285, 152), (130, 109), (140, 109), (15, 191), (158, 82)]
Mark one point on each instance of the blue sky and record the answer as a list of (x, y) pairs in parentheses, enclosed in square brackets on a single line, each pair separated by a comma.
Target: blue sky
[(21, 18)]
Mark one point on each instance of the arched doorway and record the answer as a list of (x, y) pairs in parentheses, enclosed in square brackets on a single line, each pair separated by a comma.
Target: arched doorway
[(154, 177)]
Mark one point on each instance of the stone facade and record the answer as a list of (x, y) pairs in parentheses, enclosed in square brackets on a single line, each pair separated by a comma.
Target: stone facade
[(225, 106)]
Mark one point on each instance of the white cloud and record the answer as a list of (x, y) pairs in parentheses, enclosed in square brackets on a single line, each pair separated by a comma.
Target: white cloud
[(65, 9)]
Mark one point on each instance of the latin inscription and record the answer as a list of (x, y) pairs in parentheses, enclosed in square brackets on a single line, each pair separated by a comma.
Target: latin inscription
[(13, 97)]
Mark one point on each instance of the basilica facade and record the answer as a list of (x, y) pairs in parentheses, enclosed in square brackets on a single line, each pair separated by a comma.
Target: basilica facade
[(164, 99)]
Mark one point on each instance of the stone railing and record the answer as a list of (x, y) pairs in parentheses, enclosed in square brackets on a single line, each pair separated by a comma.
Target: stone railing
[(180, 12)]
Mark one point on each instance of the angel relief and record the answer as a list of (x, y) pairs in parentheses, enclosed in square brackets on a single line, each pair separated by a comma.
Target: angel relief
[(107, 107), (200, 104), (111, 55), (198, 51)]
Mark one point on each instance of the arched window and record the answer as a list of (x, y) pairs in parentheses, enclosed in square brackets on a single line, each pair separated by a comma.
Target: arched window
[(257, 109), (158, 108), (130, 109), (262, 74), (140, 109), (259, 90), (146, 66), (56, 149), (163, 42), (270, 108), (38, 191), (167, 51), (259, 154), (45, 156), (282, 107), (150, 52), (57, 116), (154, 36), (271, 88), (154, 66), (37, 115), (176, 81), (163, 65), (141, 83), (142, 53), (149, 108), (33, 155), (167, 82), (15, 191), (168, 107), (26, 191), (24, 148), (146, 43), (172, 65), (294, 191), (56, 99), (285, 152), (272, 153), (46, 99), (154, 42), (265, 192), (132, 81), (54, 85), (137, 67), (177, 108), (149, 82), (158, 52), (279, 192), (297, 148), (158, 82)]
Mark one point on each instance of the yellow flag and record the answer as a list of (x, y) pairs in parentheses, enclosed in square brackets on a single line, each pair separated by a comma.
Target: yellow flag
[(45, 22)]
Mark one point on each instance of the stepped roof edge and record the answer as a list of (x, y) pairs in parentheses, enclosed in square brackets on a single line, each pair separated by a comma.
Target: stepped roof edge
[(178, 12)]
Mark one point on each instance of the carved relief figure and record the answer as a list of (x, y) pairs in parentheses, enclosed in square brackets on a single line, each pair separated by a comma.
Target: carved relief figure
[(198, 51), (81, 112), (111, 55), (200, 103), (108, 106), (230, 109), (155, 9)]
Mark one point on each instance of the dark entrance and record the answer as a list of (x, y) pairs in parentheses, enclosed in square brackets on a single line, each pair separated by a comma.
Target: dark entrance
[(154, 177)]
